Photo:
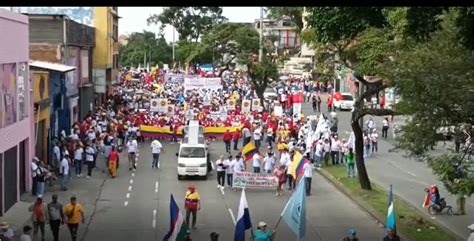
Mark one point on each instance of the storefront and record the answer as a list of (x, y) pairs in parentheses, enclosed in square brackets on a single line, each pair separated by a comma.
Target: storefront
[(16, 104)]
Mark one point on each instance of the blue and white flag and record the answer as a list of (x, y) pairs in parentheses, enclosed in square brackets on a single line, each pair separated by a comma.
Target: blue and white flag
[(243, 219), (391, 213), (294, 213)]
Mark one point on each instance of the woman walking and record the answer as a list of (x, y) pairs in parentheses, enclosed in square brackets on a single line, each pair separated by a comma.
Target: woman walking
[(279, 173), (113, 162), (39, 216)]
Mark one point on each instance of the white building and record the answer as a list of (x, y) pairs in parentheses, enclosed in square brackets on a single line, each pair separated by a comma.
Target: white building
[(287, 34)]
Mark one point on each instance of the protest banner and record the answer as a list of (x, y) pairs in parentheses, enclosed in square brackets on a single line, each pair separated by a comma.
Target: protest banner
[(163, 105), (252, 180), (246, 106), (230, 104), (174, 78), (213, 83), (154, 104), (194, 83)]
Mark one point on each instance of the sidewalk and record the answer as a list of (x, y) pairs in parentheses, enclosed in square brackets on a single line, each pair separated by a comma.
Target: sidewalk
[(86, 190)]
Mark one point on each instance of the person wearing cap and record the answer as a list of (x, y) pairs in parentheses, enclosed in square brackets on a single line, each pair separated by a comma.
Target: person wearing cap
[(64, 171), (6, 233), (471, 236), (56, 216), (391, 236), (351, 235), (192, 203), (261, 233), (75, 214), (25, 236), (39, 216)]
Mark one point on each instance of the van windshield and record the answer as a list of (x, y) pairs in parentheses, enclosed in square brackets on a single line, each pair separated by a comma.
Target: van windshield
[(192, 152)]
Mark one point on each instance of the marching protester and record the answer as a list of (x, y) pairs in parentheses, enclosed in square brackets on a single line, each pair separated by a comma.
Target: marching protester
[(75, 215), (220, 168), (56, 216), (113, 162), (268, 163), (39, 216), (156, 149), (132, 149), (261, 233), (280, 174), (192, 204), (229, 167)]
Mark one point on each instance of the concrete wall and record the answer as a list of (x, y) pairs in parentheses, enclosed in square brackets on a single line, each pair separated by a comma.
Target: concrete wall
[(14, 49), (103, 26), (46, 52)]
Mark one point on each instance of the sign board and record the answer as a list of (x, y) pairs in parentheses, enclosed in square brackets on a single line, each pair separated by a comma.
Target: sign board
[(230, 104), (154, 103), (170, 110), (256, 105), (213, 83), (194, 83), (174, 78), (252, 180), (163, 105), (246, 106)]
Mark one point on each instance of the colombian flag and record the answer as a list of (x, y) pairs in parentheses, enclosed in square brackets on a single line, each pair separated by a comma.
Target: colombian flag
[(297, 166), (249, 150)]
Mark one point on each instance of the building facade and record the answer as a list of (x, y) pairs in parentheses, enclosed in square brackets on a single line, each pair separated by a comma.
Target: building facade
[(57, 39), (16, 105), (285, 34), (106, 50), (40, 83)]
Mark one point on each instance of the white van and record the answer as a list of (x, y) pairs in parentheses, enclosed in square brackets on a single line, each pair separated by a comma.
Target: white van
[(193, 154)]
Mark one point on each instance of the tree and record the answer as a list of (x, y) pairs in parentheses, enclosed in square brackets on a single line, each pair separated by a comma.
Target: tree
[(189, 22), (144, 46), (436, 80), (295, 14)]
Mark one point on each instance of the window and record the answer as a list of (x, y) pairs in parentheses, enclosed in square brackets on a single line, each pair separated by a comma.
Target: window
[(115, 32), (190, 152)]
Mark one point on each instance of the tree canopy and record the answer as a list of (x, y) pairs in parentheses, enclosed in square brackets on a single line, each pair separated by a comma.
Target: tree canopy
[(145, 45), (295, 14), (189, 22)]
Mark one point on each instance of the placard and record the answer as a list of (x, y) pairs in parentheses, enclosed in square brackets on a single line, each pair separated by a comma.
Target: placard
[(213, 83), (256, 105), (252, 180), (170, 110), (174, 78), (246, 106), (230, 104), (154, 104), (163, 105)]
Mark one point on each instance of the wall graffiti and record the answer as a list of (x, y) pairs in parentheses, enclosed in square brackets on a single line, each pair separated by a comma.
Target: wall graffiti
[(84, 15)]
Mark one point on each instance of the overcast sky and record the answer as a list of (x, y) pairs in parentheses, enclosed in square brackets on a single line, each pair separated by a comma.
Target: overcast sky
[(134, 18)]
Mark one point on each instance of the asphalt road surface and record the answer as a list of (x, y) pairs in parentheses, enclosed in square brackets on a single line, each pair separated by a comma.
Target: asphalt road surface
[(135, 205)]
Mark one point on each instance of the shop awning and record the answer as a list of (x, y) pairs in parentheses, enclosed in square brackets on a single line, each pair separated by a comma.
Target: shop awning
[(52, 66)]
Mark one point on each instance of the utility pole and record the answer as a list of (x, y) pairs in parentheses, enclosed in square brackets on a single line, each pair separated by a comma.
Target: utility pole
[(260, 51)]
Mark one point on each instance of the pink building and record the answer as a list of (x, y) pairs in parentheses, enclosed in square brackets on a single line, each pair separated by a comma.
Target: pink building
[(16, 116)]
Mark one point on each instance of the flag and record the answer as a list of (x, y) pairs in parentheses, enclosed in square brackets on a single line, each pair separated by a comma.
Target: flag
[(297, 166), (294, 213), (243, 219), (249, 150), (178, 228), (391, 213)]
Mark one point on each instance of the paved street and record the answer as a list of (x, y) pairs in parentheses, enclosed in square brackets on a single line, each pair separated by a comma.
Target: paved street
[(408, 176)]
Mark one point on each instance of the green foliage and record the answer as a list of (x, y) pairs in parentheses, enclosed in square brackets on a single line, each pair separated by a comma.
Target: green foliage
[(295, 14), (466, 24), (457, 179), (141, 44), (189, 22), (262, 74), (185, 49)]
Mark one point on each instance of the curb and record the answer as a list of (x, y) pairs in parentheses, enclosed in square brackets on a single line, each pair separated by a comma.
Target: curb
[(359, 202)]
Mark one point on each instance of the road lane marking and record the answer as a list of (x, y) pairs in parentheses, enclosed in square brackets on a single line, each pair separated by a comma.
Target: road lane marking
[(130, 188), (131, 181), (128, 195), (133, 174), (125, 203), (156, 186), (153, 224), (397, 166)]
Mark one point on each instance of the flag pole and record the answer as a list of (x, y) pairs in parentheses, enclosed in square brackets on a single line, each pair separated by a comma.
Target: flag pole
[(280, 218)]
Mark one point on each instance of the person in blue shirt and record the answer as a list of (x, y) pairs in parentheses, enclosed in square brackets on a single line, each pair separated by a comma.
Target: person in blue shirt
[(261, 233)]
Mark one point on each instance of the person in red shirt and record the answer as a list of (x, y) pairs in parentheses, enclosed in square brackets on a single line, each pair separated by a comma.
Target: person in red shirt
[(236, 137), (227, 139)]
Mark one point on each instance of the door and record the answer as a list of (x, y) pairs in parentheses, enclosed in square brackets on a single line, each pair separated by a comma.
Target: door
[(10, 177), (22, 160)]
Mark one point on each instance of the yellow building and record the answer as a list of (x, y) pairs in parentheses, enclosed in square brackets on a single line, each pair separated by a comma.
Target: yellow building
[(106, 49), (41, 113)]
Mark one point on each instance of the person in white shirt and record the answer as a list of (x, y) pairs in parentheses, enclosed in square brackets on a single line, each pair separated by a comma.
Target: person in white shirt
[(256, 163), (220, 168), (229, 164), (257, 137), (318, 153), (156, 149), (56, 156), (327, 151), (335, 149), (374, 140), (268, 163), (308, 176), (78, 156), (132, 148), (370, 124), (385, 126), (90, 156), (64, 172), (284, 157), (25, 236)]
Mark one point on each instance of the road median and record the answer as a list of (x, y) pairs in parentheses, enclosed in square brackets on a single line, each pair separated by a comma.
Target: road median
[(412, 225)]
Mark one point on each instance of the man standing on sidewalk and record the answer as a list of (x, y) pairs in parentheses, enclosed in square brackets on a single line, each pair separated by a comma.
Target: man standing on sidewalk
[(156, 148), (56, 216), (74, 214), (64, 171)]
